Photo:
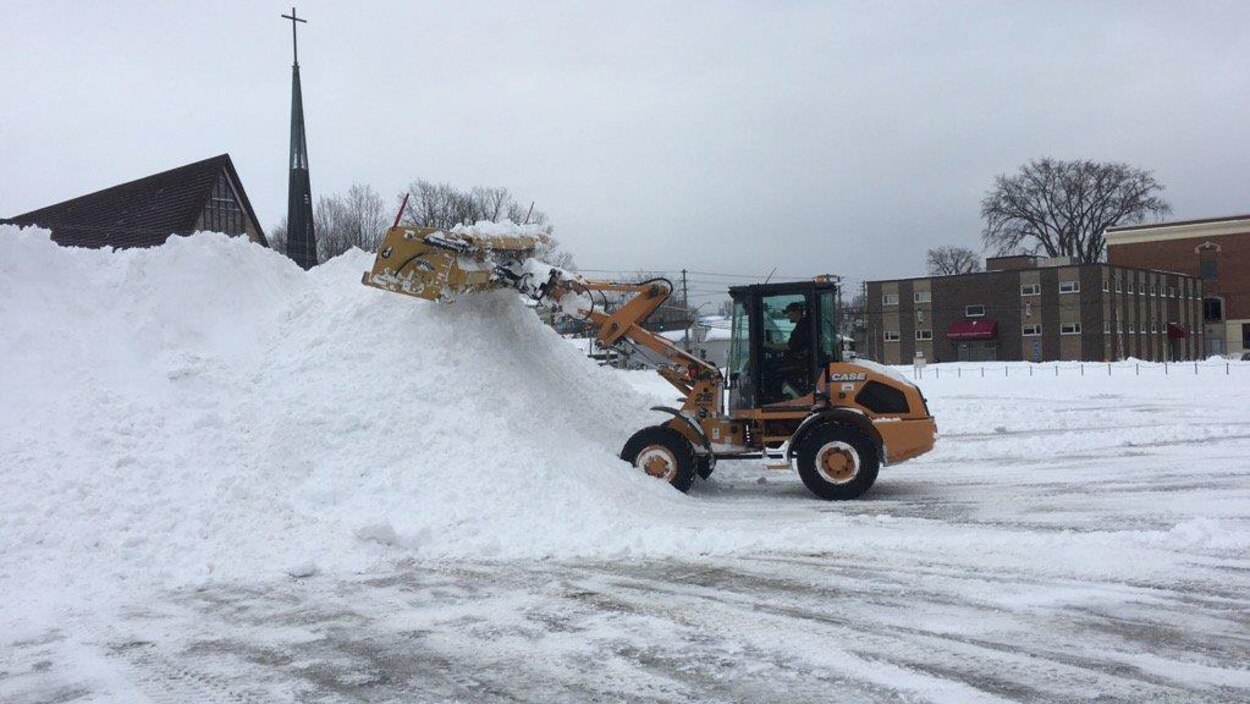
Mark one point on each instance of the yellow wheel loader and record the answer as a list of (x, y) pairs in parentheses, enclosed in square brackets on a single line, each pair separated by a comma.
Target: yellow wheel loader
[(785, 395)]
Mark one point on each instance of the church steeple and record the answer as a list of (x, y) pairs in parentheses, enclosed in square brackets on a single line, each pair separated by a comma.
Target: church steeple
[(301, 242)]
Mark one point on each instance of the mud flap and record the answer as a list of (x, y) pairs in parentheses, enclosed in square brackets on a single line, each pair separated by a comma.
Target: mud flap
[(704, 446)]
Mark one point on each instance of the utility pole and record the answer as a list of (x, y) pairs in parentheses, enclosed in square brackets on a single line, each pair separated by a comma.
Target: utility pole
[(872, 337), (685, 304)]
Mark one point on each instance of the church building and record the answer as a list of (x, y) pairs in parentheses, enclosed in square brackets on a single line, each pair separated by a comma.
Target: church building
[(204, 196)]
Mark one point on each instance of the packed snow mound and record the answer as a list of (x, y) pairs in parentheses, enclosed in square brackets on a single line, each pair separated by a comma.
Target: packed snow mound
[(207, 408), (504, 228)]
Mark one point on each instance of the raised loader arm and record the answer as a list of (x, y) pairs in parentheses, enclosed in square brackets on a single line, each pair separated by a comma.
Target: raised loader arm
[(698, 380)]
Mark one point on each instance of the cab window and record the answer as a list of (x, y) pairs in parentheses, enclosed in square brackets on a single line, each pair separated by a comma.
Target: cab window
[(786, 347), (741, 386), (830, 341)]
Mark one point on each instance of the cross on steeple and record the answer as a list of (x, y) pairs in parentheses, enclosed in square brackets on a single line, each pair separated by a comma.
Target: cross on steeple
[(294, 41)]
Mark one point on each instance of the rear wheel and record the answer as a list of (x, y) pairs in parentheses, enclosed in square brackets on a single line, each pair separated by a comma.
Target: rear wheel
[(662, 453), (838, 462)]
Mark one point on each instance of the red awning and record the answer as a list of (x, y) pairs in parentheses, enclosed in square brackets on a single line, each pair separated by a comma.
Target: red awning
[(973, 329), (1176, 331)]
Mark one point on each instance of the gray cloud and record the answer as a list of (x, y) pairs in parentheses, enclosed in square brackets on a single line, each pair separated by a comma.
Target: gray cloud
[(731, 137)]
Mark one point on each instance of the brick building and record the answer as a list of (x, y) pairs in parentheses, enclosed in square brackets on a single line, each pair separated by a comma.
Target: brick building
[(1217, 251), (1028, 308)]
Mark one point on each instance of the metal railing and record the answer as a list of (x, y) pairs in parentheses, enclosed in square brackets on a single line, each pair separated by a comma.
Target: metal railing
[(1043, 369)]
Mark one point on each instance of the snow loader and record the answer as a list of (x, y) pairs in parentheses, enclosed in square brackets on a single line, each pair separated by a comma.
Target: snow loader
[(786, 395)]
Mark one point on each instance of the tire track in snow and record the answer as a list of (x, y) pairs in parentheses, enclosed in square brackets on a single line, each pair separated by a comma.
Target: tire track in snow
[(985, 661)]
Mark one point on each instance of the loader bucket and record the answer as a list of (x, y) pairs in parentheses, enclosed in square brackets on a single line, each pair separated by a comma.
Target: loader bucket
[(436, 265)]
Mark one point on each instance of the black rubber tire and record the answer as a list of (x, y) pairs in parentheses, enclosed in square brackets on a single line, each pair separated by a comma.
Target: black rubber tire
[(869, 462), (703, 466), (676, 443)]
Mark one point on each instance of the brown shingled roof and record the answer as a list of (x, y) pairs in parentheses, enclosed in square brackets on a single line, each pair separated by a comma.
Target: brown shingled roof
[(141, 213)]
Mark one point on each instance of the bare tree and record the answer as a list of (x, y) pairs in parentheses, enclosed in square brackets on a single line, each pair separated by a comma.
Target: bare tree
[(277, 236), (366, 217), (1062, 208), (444, 206), (952, 260), (352, 219), (330, 224), (438, 205), (491, 203)]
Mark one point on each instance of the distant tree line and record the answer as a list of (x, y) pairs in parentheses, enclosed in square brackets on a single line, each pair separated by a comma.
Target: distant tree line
[(360, 217)]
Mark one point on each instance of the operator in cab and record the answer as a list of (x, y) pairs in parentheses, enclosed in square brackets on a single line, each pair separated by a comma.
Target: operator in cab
[(795, 352)]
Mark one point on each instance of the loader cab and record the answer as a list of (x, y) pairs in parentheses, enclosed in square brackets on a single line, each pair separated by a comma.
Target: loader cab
[(783, 336)]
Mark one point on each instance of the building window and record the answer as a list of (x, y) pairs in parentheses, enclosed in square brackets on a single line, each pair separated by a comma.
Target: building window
[(922, 296), (1132, 329), (1032, 330), (1207, 268), (1130, 287), (889, 299), (1171, 292), (1031, 290), (1106, 286), (222, 212), (891, 336), (1118, 286), (1154, 327), (1070, 329), (977, 311), (1106, 328), (1212, 309), (1069, 287), (924, 334)]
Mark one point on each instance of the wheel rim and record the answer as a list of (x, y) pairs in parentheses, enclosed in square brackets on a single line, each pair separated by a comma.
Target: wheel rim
[(657, 461), (837, 462)]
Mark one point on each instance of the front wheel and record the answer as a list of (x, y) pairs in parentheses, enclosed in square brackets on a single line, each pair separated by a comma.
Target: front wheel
[(838, 462), (662, 453), (703, 466)]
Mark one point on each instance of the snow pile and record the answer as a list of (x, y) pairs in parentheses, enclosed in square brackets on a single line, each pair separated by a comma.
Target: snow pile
[(206, 408), (505, 228), (1204, 534)]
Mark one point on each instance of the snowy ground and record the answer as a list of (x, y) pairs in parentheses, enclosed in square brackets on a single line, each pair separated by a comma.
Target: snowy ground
[(1072, 538)]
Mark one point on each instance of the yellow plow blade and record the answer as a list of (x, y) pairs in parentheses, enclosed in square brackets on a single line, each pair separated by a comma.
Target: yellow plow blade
[(436, 265)]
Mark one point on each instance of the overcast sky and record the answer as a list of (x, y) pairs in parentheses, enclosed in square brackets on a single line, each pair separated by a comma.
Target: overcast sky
[(724, 137)]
